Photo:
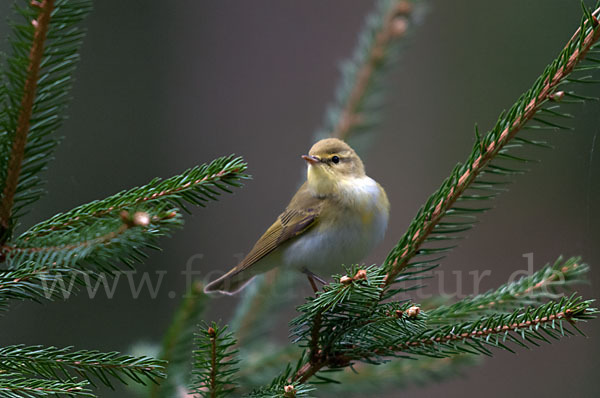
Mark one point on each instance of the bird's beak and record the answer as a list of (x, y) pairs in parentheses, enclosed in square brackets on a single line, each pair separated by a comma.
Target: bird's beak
[(311, 159)]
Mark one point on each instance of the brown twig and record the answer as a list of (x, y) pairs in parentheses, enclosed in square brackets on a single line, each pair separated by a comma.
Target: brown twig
[(17, 154), (37, 390), (138, 201), (8, 249), (128, 222), (479, 333), (395, 26), (311, 368), (315, 353), (465, 180), (553, 277), (34, 273)]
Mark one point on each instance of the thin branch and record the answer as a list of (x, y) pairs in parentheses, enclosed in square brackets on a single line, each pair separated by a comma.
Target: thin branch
[(17, 154), (336, 360), (7, 249), (395, 26), (493, 149), (141, 200), (554, 277), (314, 352), (482, 333), (19, 386), (127, 224), (309, 370), (51, 362)]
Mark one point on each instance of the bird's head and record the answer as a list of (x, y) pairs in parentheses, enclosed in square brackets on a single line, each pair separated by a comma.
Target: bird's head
[(330, 162)]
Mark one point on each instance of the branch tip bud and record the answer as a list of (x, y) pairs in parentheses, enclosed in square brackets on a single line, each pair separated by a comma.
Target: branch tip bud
[(360, 274), (413, 311), (398, 26), (141, 219), (557, 96), (211, 332), (289, 391)]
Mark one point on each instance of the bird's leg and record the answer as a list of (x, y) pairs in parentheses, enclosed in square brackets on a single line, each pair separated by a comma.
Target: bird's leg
[(312, 283), (312, 277)]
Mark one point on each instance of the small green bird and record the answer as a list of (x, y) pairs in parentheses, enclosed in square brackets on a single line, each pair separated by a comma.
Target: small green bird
[(337, 217)]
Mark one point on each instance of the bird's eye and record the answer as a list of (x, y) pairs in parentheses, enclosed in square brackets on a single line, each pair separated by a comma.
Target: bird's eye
[(335, 159)]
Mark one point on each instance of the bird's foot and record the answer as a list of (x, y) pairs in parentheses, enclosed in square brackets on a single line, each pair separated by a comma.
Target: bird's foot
[(312, 277)]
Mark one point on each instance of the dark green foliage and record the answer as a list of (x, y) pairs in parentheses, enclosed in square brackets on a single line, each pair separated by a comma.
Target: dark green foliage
[(494, 160), (103, 233), (64, 364), (14, 385), (282, 390), (360, 93), (89, 241), (282, 387), (30, 284), (531, 290), (215, 362), (196, 186), (407, 336), (53, 85), (94, 238), (354, 326)]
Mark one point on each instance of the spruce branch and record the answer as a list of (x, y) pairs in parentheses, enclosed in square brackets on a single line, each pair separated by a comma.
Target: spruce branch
[(532, 325), (403, 332), (117, 229), (281, 387), (544, 284), (447, 212), (14, 385), (359, 91), (17, 154), (102, 244), (31, 284), (195, 186), (65, 364), (353, 324), (35, 86), (215, 364)]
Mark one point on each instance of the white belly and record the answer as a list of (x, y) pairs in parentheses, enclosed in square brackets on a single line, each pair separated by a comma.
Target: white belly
[(360, 226)]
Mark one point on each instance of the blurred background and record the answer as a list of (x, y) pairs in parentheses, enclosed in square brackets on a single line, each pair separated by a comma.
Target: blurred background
[(164, 86)]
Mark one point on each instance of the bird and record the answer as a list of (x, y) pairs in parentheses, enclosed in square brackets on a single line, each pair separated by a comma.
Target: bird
[(336, 218)]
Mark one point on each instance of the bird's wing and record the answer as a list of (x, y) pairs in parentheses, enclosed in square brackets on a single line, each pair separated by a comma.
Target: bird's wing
[(294, 221)]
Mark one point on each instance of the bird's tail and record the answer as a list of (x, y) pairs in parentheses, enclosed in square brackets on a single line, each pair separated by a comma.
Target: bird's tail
[(230, 283)]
